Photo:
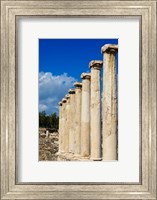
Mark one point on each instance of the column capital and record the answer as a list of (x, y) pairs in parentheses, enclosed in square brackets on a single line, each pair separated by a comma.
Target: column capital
[(78, 85), (64, 100), (71, 91), (85, 75), (67, 96), (95, 64), (109, 48), (60, 103)]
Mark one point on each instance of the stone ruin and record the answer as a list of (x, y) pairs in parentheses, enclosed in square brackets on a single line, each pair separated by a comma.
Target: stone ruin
[(48, 144), (81, 135)]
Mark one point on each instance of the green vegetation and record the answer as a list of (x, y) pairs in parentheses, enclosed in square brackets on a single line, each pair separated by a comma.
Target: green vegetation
[(48, 121)]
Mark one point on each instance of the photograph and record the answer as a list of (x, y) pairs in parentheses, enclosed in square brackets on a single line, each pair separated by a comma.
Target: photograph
[(78, 99), (78, 83)]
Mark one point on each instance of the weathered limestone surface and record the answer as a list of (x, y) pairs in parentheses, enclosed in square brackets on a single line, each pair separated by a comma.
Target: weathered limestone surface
[(109, 103), (81, 136), (67, 125), (72, 121), (95, 124), (78, 93), (63, 124), (60, 125), (85, 115)]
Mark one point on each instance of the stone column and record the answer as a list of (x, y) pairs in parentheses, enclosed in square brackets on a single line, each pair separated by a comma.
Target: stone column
[(78, 91), (72, 121), (60, 126), (110, 121), (95, 124), (67, 125), (47, 133), (85, 115), (63, 124)]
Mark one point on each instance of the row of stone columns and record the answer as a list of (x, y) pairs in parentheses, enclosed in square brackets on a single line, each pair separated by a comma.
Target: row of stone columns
[(80, 133)]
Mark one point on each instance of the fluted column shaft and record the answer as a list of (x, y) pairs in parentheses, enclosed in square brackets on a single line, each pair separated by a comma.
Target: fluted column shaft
[(67, 125), (60, 126), (109, 103), (72, 121), (85, 115), (78, 92), (63, 125), (95, 110)]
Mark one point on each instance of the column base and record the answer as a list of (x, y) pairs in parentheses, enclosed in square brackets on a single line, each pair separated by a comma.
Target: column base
[(63, 157), (109, 160), (96, 159), (76, 157), (84, 158), (60, 153), (70, 156)]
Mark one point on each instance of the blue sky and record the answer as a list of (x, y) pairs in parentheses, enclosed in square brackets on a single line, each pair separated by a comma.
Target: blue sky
[(61, 62)]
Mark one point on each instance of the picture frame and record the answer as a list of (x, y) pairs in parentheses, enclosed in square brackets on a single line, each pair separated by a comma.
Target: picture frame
[(10, 188)]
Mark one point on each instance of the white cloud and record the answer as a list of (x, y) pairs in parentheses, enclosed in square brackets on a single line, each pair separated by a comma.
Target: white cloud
[(52, 89), (42, 107)]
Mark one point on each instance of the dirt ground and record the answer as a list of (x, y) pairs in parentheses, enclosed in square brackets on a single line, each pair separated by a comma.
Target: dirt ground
[(48, 146)]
